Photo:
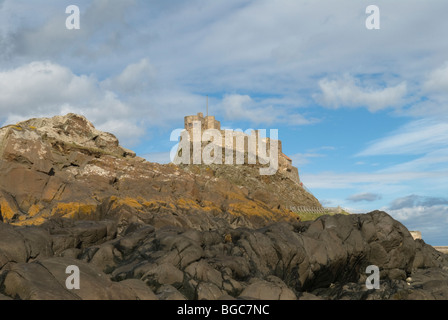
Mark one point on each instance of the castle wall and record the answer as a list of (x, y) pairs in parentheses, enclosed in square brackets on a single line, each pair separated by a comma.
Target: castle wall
[(240, 143)]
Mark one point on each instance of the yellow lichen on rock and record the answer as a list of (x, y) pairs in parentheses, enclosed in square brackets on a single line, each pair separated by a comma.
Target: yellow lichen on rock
[(16, 127), (186, 204), (235, 196), (258, 208), (35, 209), (36, 221), (209, 206), (130, 202), (153, 205), (74, 210), (250, 209), (7, 210)]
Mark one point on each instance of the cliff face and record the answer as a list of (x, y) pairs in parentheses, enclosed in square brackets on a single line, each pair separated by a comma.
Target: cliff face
[(64, 167), (274, 190)]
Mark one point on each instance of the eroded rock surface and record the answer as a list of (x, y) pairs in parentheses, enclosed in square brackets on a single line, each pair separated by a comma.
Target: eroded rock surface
[(325, 259), (71, 195)]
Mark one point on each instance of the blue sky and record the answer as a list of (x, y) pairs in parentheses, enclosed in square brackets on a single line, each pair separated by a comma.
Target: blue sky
[(362, 113)]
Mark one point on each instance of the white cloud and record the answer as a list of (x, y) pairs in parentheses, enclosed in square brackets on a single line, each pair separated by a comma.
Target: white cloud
[(125, 104), (431, 161), (422, 213), (43, 88), (417, 201), (128, 130), (38, 30), (243, 107), (368, 196), (431, 221), (237, 106), (432, 105), (437, 81), (417, 137), (301, 159), (332, 180), (247, 45), (347, 92), (411, 213), (135, 78), (433, 95)]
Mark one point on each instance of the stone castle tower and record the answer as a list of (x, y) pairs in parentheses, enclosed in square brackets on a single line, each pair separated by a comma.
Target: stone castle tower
[(207, 122), (285, 166)]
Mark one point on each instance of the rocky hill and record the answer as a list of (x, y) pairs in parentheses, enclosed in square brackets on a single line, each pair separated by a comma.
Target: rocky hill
[(71, 195), (64, 167)]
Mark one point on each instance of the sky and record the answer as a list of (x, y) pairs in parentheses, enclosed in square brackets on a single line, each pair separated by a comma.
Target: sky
[(362, 112)]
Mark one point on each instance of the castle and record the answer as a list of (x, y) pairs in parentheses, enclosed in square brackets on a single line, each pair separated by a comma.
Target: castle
[(238, 143)]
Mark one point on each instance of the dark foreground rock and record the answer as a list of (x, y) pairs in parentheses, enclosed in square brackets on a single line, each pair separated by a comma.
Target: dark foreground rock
[(323, 259)]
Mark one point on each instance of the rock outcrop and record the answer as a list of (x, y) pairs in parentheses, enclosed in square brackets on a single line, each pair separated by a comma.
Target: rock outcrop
[(64, 167), (71, 195), (323, 259)]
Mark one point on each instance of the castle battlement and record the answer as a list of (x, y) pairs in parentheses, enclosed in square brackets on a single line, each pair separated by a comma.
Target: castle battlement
[(207, 122)]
